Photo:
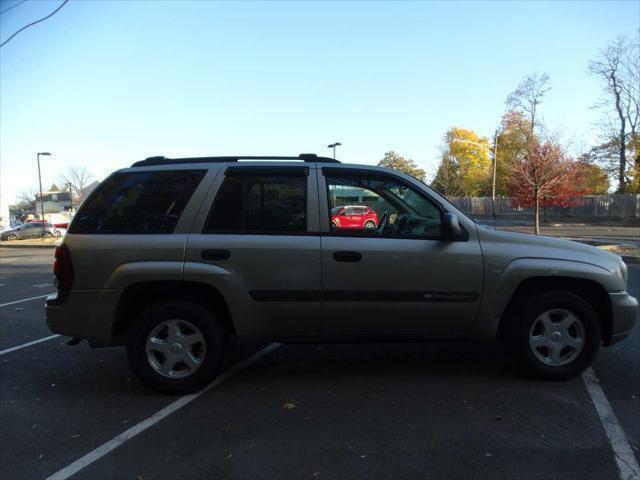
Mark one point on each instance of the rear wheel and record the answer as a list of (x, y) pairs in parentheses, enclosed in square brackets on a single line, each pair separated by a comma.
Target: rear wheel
[(369, 225), (553, 335), (175, 346), (47, 235)]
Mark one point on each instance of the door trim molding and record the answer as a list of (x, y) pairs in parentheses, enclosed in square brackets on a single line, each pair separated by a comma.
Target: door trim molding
[(361, 296)]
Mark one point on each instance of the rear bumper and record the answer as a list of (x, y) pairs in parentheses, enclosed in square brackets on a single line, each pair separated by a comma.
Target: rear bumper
[(84, 314), (625, 312)]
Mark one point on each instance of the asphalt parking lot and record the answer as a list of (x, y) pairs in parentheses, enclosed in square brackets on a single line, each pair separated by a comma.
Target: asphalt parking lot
[(450, 410)]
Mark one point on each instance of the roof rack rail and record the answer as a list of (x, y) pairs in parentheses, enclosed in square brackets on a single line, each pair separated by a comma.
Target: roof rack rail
[(305, 157)]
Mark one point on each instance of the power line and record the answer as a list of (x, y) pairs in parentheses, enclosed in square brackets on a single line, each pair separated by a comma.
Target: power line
[(12, 6), (33, 23)]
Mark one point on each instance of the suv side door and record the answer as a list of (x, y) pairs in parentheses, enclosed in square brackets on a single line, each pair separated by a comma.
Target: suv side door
[(256, 239), (405, 280)]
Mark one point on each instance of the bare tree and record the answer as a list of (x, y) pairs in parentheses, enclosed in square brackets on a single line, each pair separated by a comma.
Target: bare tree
[(78, 178), (618, 64), (528, 96), (28, 196)]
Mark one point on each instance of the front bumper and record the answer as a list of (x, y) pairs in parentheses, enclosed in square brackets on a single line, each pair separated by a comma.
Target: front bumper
[(624, 315)]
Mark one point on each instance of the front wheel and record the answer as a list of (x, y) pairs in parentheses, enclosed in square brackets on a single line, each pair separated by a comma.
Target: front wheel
[(47, 235), (552, 335), (175, 346), (11, 237)]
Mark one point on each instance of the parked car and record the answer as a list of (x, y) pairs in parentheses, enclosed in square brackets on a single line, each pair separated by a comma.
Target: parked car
[(200, 253), (357, 216), (29, 230)]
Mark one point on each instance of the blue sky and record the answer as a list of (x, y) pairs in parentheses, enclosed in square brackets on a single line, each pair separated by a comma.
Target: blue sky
[(105, 83)]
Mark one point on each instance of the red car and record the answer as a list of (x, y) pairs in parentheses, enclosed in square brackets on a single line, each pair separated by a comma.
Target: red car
[(355, 216)]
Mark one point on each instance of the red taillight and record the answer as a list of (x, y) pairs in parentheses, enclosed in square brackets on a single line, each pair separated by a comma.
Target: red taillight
[(63, 268)]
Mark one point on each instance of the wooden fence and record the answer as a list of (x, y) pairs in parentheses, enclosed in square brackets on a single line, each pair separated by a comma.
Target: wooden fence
[(617, 206)]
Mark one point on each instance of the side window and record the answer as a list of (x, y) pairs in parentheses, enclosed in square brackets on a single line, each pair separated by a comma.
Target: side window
[(394, 208), (137, 202), (248, 202)]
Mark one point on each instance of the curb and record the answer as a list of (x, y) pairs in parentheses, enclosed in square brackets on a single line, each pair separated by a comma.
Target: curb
[(52, 245)]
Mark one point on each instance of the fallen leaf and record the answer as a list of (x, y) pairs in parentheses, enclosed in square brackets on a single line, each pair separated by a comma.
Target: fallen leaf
[(289, 405)]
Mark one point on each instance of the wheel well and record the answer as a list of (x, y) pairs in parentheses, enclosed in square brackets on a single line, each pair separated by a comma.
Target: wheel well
[(138, 296), (590, 291)]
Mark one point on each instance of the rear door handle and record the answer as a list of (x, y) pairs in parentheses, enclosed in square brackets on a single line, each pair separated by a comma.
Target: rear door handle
[(215, 254), (346, 256)]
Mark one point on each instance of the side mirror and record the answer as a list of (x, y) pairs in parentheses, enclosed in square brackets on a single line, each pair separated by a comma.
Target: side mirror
[(451, 227)]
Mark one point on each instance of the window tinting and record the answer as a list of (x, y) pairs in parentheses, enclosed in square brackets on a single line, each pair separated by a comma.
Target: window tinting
[(253, 204), (137, 202)]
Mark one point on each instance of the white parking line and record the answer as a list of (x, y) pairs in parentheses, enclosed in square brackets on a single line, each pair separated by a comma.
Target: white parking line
[(25, 300), (114, 443), (622, 451), (28, 344)]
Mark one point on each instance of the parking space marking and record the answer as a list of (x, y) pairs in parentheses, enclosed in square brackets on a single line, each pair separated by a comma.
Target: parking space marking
[(25, 300), (114, 443), (28, 344), (624, 456)]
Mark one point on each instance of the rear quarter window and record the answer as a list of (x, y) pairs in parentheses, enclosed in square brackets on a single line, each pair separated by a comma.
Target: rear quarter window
[(137, 202)]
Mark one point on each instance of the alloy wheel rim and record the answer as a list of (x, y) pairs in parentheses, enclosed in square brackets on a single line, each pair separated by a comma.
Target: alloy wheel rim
[(175, 348), (557, 337)]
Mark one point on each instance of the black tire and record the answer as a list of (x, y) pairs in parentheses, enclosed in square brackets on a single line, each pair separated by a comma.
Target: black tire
[(11, 237), (369, 225), (520, 318), (157, 313), (47, 235), (57, 233)]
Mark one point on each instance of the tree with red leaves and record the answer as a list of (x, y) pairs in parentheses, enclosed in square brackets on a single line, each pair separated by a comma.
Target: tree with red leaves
[(543, 177)]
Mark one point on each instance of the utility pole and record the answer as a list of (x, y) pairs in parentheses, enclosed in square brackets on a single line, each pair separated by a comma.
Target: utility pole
[(45, 154), (70, 198)]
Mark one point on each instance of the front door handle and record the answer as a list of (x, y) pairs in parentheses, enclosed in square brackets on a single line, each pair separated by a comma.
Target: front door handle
[(345, 256), (215, 254)]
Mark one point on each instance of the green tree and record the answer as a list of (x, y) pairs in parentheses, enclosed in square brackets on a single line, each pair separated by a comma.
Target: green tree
[(398, 162), (592, 179), (447, 179)]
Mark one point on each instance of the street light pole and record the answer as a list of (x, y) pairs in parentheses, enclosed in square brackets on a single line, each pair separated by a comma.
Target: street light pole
[(493, 180), (46, 154), (334, 145)]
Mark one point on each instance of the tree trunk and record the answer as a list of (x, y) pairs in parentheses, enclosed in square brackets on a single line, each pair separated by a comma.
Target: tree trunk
[(536, 203), (623, 158), (623, 139)]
